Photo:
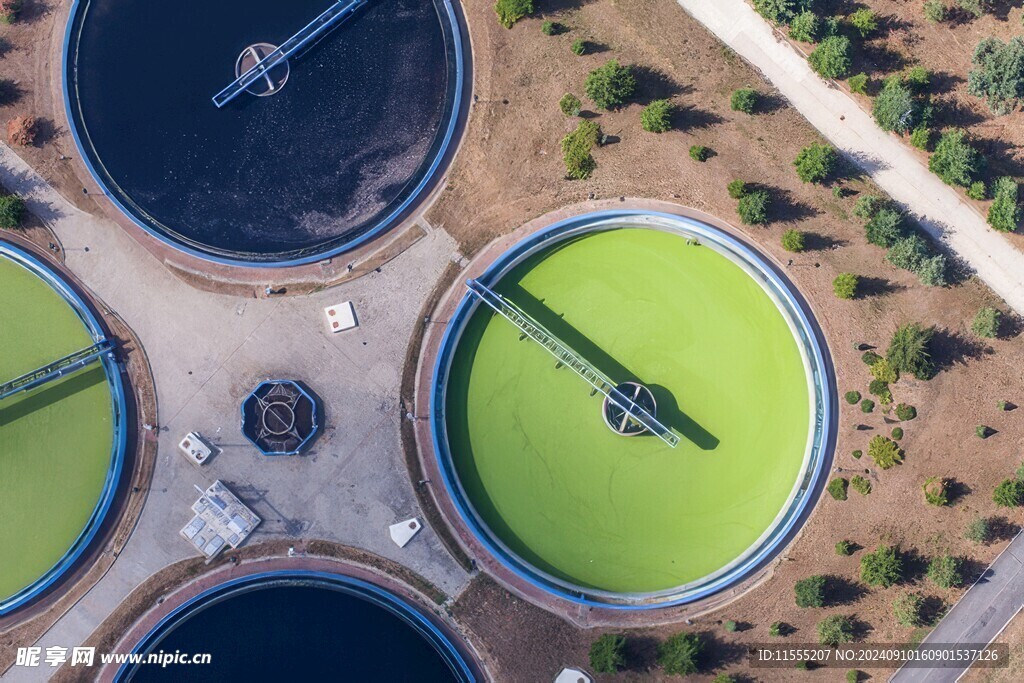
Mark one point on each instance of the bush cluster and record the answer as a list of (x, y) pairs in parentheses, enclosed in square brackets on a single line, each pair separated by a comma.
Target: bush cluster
[(835, 630), (576, 146), (810, 592), (793, 240), (907, 609), (1009, 493), (955, 160), (905, 412), (610, 85), (570, 104), (608, 654), (987, 322), (681, 654), (831, 59), (845, 285), (744, 100), (511, 11), (882, 567), (815, 163), (936, 491), (860, 485), (837, 488), (656, 117), (1005, 213), (946, 571), (12, 211), (910, 350), (998, 73), (884, 451)]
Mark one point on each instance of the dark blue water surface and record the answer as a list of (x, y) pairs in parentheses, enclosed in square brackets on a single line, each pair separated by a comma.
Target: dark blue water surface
[(305, 171), (295, 632)]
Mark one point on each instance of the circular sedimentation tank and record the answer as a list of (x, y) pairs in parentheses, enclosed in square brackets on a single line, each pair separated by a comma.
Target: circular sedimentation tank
[(63, 442), (342, 151), (303, 625), (734, 368)]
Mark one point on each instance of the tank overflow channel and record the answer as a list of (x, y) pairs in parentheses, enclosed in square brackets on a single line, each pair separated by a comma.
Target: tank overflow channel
[(263, 58)]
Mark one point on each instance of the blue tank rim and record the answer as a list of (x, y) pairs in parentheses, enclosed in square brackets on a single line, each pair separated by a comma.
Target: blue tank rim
[(409, 613), (455, 34), (824, 401), (119, 410)]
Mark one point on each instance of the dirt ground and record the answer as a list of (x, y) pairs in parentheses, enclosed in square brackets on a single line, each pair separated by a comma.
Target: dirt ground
[(509, 170), (907, 39)]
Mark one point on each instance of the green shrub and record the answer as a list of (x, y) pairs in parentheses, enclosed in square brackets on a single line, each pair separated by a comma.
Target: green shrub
[(868, 205), (852, 397), (883, 567), (918, 77), (831, 59), (793, 240), (867, 406), (700, 153), (576, 146), (656, 117), (886, 227), (835, 630), (753, 207), (1005, 213), (853, 676), (608, 654), (775, 11), (936, 491), (816, 163), (511, 11), (932, 272), (908, 253), (977, 190), (579, 47), (865, 21), (983, 431), (1002, 405), (737, 189), (744, 100), (976, 8), (906, 412), (844, 548), (859, 83), (724, 678), (870, 358), (9, 11), (570, 104), (880, 389), (998, 73), (908, 608), (845, 285), (777, 629), (987, 322), (897, 433), (551, 28), (909, 350), (978, 530), (810, 592), (921, 138), (935, 11), (946, 571), (884, 451), (955, 161), (884, 371), (895, 108), (860, 484), (837, 488), (610, 85), (805, 27), (1009, 493), (12, 211), (680, 654), (857, 455)]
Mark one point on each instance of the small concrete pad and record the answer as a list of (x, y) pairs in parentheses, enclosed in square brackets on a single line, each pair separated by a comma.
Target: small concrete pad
[(573, 676), (403, 532), (341, 317)]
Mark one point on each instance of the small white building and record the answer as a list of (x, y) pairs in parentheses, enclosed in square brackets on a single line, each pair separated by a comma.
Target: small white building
[(221, 520)]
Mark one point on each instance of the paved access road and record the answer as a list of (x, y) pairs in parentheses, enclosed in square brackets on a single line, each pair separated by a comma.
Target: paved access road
[(891, 164)]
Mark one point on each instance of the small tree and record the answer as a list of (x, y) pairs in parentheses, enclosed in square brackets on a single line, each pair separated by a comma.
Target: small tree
[(744, 100), (884, 451), (844, 548), (656, 117), (700, 153), (921, 138), (793, 240), (998, 74), (805, 27), (885, 227), (935, 491), (837, 488), (895, 108), (737, 189), (831, 59), (835, 630), (986, 323), (845, 286), (576, 146), (1009, 493), (978, 530), (551, 28), (935, 11), (908, 253), (859, 83), (868, 205), (883, 567), (12, 211), (816, 163), (867, 406), (610, 85), (852, 397), (955, 161), (865, 21), (1005, 213), (909, 350), (908, 608), (753, 207), (905, 412), (680, 655), (946, 571), (608, 654), (570, 104), (511, 11), (579, 47)]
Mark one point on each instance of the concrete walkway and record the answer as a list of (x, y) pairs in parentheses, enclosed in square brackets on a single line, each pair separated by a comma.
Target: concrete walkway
[(207, 351), (979, 616), (891, 164)]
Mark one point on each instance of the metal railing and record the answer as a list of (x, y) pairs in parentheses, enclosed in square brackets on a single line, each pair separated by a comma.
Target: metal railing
[(57, 369), (568, 357), (331, 17)]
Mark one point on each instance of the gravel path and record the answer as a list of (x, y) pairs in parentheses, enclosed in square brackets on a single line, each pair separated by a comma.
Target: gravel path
[(892, 165)]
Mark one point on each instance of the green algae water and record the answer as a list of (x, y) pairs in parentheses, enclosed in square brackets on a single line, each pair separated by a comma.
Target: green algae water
[(629, 514), (55, 441)]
